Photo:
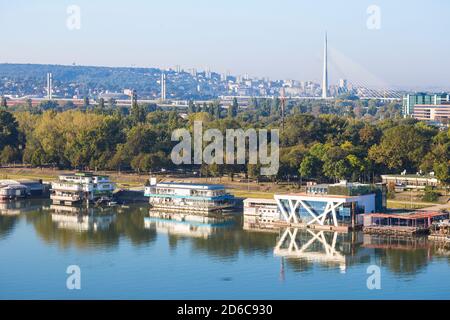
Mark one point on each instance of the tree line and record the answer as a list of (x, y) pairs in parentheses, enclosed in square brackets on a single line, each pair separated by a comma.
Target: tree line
[(314, 146)]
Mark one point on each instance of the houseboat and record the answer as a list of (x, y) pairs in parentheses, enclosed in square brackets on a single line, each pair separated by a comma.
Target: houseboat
[(260, 213), (17, 189), (188, 197), (81, 187)]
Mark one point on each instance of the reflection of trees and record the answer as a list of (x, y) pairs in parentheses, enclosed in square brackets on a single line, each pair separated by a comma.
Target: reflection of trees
[(128, 224), (7, 224), (229, 242), (405, 262), (131, 225)]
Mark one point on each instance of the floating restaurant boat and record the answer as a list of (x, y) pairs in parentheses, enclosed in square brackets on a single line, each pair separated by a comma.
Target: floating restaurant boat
[(18, 189), (336, 207), (188, 197), (410, 224), (440, 231), (84, 186)]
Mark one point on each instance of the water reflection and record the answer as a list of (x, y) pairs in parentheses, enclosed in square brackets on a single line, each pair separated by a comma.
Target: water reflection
[(15, 208), (220, 238), (331, 249), (404, 256), (81, 220), (91, 228), (10, 213), (186, 225)]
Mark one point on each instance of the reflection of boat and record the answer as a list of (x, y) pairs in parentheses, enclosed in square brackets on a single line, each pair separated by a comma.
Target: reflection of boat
[(80, 222), (188, 225), (325, 247), (383, 241), (81, 218), (18, 207)]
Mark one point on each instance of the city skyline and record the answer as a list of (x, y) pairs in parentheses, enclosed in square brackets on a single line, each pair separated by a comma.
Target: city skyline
[(226, 37)]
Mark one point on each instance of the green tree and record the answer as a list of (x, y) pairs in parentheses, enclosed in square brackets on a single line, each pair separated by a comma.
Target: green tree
[(402, 147), (233, 109), (4, 103)]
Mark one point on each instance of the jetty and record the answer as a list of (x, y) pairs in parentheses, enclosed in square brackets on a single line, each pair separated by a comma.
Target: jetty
[(410, 224)]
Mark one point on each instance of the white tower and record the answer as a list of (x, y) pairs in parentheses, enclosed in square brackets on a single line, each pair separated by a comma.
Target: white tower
[(163, 86), (325, 70), (49, 85)]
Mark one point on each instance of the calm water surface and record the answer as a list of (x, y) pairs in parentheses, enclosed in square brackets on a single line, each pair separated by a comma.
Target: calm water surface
[(125, 254)]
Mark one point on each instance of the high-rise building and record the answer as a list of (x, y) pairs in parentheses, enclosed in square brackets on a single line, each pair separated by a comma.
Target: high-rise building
[(49, 86), (163, 86), (420, 98), (325, 70)]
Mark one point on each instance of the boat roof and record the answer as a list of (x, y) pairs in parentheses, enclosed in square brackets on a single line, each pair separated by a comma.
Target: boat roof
[(410, 215), (185, 185), (260, 200)]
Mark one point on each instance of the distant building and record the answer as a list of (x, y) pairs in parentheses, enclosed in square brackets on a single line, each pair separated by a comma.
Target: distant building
[(411, 181), (438, 113), (411, 100), (325, 70)]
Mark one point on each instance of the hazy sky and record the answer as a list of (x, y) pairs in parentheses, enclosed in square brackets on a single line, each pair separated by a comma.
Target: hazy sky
[(280, 39)]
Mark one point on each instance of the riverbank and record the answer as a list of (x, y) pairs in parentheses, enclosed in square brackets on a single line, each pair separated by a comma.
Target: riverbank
[(239, 187)]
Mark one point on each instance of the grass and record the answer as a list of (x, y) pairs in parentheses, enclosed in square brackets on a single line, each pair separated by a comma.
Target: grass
[(391, 204), (4, 175), (251, 194)]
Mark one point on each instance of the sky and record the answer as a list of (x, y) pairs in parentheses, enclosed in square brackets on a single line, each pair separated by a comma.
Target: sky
[(404, 46)]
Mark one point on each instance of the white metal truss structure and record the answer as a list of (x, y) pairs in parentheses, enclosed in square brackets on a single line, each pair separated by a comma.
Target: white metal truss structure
[(290, 245), (295, 202)]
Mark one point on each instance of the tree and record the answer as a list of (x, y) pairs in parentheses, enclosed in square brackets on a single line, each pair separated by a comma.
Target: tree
[(137, 114), (430, 195), (86, 102), (29, 104), (191, 107), (9, 134), (254, 171), (217, 109), (101, 104), (112, 103), (48, 105), (402, 147), (442, 172), (233, 109), (309, 167), (8, 155), (4, 103)]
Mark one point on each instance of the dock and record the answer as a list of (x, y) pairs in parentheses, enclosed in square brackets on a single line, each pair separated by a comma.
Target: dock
[(411, 224)]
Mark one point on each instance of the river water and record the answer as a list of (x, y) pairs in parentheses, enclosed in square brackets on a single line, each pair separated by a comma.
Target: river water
[(123, 253)]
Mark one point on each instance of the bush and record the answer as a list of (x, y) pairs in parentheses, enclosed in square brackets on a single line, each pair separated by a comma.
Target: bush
[(430, 195)]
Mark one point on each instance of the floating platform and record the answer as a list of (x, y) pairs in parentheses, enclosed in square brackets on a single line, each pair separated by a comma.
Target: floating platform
[(276, 225), (410, 224)]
